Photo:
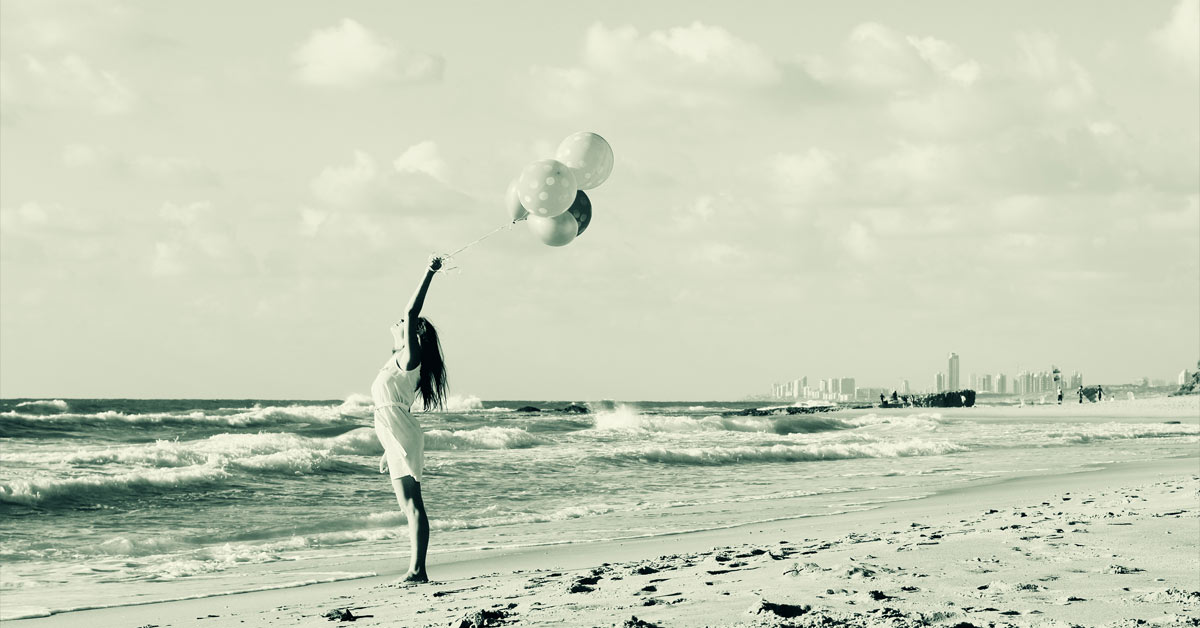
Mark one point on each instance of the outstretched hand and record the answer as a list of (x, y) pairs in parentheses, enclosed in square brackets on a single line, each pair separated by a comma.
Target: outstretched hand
[(435, 263)]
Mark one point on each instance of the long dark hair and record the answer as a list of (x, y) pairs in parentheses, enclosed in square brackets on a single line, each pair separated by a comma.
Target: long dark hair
[(432, 381)]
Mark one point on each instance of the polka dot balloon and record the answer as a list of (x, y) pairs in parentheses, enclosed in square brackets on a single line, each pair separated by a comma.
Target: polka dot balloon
[(546, 188), (558, 230), (512, 202), (589, 156)]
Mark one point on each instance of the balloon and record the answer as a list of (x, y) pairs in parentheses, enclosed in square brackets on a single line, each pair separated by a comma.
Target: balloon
[(512, 203), (557, 230), (546, 188), (589, 155), (581, 209)]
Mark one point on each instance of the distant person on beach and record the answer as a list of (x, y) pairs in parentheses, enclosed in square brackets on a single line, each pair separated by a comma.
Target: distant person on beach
[(1099, 393), (882, 401), (1060, 395), (1081, 393), (414, 366)]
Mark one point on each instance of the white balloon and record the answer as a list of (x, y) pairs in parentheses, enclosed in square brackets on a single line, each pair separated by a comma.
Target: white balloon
[(557, 230), (546, 188), (589, 156), (512, 203)]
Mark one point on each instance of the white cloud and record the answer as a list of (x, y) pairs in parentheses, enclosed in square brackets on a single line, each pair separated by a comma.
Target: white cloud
[(1179, 39), (171, 168), (82, 155), (184, 215), (166, 261), (15, 219), (877, 57), (692, 54), (804, 175), (424, 158), (151, 167), (363, 207), (718, 254), (946, 59), (697, 65), (348, 55), (860, 243), (1064, 83), (347, 185), (198, 237), (68, 82), (416, 181)]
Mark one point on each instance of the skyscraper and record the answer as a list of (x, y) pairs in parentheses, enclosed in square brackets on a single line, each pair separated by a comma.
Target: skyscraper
[(952, 381), (941, 383)]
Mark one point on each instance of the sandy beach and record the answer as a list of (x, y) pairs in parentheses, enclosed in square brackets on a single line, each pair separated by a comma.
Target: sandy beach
[(1111, 544)]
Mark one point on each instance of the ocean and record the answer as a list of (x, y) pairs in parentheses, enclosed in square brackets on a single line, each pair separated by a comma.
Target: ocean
[(108, 502)]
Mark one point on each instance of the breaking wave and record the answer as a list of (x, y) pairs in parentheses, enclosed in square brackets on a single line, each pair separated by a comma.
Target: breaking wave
[(786, 453), (482, 438), (43, 406)]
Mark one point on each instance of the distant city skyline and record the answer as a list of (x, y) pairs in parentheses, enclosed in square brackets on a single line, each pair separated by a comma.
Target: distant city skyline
[(1021, 381)]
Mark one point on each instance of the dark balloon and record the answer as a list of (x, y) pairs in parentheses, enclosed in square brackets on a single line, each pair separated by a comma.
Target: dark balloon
[(581, 209)]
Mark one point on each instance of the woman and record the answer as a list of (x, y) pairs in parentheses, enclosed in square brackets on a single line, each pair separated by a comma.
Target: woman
[(415, 365)]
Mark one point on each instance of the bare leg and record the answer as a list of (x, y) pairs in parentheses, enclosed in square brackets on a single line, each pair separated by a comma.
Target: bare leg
[(408, 493)]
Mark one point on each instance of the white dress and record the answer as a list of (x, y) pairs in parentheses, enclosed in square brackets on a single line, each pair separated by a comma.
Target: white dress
[(393, 392)]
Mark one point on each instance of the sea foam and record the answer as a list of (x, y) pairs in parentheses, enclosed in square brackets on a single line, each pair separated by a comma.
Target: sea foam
[(787, 453), (43, 406)]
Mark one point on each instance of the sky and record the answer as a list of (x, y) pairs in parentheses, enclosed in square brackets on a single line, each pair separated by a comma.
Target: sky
[(201, 201)]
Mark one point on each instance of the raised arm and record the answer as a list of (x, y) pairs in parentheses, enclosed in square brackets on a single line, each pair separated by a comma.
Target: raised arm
[(414, 310)]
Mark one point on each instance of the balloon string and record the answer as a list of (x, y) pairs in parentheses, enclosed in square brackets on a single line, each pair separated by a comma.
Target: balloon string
[(507, 225)]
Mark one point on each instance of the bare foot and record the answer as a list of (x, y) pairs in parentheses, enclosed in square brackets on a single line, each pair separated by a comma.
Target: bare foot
[(411, 578)]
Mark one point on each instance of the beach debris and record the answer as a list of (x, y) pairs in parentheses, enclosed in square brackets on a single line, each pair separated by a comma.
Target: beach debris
[(1178, 596), (343, 614), (786, 611), (645, 570), (584, 584), (1121, 569), (634, 622), (485, 618), (880, 596), (860, 570)]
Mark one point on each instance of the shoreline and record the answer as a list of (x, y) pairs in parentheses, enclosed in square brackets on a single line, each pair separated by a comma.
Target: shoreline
[(508, 569)]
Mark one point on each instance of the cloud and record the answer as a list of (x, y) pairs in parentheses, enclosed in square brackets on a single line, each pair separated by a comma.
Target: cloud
[(48, 237), (150, 167), (1179, 39), (364, 202), (1064, 84), (859, 242), (424, 158), (16, 219), (350, 56), (67, 82), (718, 254), (416, 179), (347, 185), (875, 57), (200, 237), (805, 175), (690, 66)]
